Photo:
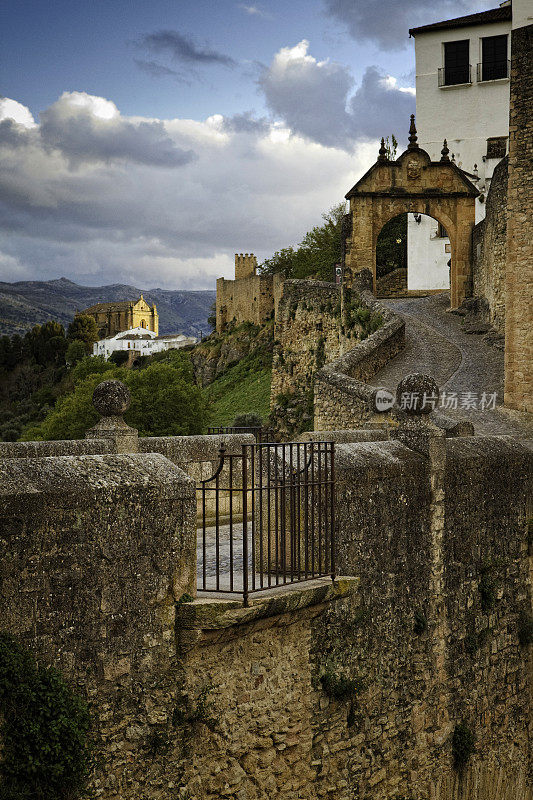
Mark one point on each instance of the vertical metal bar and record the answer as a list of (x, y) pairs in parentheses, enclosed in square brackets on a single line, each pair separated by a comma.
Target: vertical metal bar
[(230, 478), (312, 465), (217, 531), (269, 511), (332, 511), (244, 525), (292, 518), (261, 526), (327, 532), (204, 541), (252, 481), (276, 512), (298, 511), (306, 509), (283, 542), (319, 510)]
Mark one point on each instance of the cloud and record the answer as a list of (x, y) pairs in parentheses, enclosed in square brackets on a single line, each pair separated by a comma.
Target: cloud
[(314, 98), (156, 70), (182, 48), (254, 11), (85, 128), (386, 23), (253, 186), (16, 112)]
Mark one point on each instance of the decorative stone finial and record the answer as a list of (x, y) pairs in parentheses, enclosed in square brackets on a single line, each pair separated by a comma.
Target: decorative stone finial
[(111, 398), (445, 152), (417, 394), (413, 144), (382, 151)]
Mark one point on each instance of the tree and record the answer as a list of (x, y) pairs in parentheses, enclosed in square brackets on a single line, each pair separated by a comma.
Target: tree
[(391, 247), (119, 357), (164, 400), (75, 352), (84, 328), (317, 253), (391, 147)]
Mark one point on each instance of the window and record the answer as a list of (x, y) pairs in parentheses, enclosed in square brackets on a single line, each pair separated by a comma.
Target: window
[(494, 58), (441, 231), (456, 62)]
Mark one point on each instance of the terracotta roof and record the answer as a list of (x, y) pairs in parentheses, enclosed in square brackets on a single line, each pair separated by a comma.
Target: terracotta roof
[(121, 305), (502, 14)]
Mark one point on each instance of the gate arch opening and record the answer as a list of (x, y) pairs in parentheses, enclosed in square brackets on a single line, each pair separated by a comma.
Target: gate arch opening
[(412, 184)]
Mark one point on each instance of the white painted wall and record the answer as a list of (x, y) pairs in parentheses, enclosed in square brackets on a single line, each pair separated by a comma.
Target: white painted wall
[(522, 13), (145, 347), (465, 115), (428, 265)]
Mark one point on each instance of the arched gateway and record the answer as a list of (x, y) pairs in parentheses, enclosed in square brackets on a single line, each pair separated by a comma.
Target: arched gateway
[(412, 183)]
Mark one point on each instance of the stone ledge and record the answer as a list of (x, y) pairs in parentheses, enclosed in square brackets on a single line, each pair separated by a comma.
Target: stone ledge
[(207, 614)]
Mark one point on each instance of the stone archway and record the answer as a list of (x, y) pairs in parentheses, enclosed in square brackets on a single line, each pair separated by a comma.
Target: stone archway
[(413, 183)]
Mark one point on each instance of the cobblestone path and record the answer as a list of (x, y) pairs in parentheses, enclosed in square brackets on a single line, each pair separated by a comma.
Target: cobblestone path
[(437, 344)]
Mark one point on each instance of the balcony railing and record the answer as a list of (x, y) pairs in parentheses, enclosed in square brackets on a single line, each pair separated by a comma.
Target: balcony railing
[(455, 76), (493, 70)]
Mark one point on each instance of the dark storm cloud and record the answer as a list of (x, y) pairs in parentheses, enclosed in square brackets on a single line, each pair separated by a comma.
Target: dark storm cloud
[(377, 109), (246, 123), (387, 22), (183, 48), (158, 70)]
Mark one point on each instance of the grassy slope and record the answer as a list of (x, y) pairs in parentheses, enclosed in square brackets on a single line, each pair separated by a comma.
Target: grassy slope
[(243, 388)]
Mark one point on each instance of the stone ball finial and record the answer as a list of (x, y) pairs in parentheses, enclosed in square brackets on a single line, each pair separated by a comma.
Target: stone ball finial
[(111, 398), (417, 394)]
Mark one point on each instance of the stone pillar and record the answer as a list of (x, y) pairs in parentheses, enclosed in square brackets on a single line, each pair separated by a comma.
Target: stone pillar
[(112, 399), (417, 432), (519, 267)]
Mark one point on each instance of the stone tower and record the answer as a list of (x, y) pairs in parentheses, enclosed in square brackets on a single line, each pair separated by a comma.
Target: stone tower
[(245, 265)]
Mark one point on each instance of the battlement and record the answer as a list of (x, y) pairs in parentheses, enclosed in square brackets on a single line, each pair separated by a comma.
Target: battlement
[(245, 265)]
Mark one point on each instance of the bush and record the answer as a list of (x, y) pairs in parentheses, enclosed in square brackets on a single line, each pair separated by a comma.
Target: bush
[(46, 752), (119, 357), (340, 687), (250, 420)]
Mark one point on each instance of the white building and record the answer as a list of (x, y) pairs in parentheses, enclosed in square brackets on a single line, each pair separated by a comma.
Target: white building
[(462, 95), (141, 342)]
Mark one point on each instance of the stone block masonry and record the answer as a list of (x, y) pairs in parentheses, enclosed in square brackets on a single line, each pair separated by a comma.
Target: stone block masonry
[(519, 273)]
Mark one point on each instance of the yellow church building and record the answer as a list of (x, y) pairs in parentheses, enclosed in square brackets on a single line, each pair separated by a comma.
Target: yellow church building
[(111, 318)]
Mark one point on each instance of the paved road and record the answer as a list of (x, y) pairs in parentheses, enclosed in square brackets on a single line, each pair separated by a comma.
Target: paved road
[(461, 363)]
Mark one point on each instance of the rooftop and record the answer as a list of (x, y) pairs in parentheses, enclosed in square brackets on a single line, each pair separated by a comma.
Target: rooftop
[(502, 14)]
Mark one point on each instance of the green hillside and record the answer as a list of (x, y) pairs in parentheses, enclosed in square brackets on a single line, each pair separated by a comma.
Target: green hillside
[(243, 388)]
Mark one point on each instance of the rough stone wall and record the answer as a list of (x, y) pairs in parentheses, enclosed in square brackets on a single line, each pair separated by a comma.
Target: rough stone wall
[(246, 300), (307, 333), (519, 272), (71, 447), (394, 284), (95, 552), (342, 398), (432, 636), (490, 249)]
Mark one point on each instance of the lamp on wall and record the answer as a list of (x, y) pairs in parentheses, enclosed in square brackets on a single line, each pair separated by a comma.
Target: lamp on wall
[(418, 218)]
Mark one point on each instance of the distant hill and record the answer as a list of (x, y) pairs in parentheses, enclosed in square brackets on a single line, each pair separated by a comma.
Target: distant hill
[(27, 303)]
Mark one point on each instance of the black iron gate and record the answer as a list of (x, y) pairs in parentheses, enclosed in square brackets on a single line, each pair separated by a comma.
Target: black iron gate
[(266, 518)]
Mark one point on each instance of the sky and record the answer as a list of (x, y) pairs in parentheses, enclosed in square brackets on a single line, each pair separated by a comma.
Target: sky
[(147, 142)]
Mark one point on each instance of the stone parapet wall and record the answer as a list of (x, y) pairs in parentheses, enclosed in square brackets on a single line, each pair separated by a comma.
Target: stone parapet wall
[(394, 284), (490, 249), (72, 447), (95, 553), (342, 398)]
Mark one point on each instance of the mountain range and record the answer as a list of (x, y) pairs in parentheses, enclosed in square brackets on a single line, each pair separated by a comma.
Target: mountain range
[(27, 303)]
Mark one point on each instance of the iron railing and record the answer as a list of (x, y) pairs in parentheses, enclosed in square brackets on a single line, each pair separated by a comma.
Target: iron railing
[(261, 434), (493, 70), (455, 76), (266, 518)]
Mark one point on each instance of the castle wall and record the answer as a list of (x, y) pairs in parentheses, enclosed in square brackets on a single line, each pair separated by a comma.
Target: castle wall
[(519, 272), (307, 332), (490, 249), (248, 299)]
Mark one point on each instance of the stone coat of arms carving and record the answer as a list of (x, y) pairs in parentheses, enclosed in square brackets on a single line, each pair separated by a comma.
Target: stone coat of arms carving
[(413, 169)]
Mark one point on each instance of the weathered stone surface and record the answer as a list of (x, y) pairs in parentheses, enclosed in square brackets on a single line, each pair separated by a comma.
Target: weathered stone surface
[(72, 447), (419, 388), (111, 398)]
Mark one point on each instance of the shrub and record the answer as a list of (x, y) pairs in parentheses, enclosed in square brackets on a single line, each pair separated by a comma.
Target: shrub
[(119, 357), (340, 687), (250, 420), (46, 752)]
